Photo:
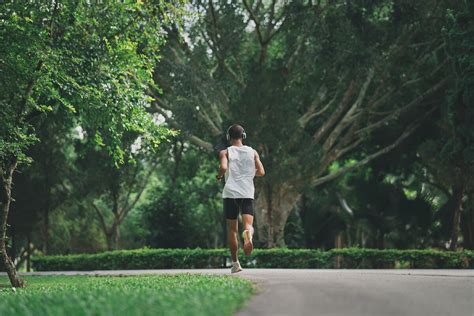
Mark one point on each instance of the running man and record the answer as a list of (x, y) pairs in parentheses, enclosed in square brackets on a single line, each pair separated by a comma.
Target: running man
[(240, 164)]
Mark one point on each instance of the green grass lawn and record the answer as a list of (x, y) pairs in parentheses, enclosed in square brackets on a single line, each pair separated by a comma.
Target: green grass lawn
[(182, 294)]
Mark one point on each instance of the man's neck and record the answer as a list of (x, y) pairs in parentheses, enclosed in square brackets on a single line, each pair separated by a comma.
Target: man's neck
[(236, 142)]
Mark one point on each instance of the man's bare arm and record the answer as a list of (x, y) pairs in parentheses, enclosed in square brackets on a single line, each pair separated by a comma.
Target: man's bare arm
[(222, 164), (260, 171)]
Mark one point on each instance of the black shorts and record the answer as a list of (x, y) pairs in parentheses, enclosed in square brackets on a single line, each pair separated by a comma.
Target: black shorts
[(232, 207)]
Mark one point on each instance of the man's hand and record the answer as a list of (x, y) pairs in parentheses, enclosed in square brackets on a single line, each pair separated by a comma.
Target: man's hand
[(222, 164), (260, 171)]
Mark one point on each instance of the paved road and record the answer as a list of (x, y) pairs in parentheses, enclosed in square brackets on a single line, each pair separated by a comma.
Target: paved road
[(362, 292), (348, 292)]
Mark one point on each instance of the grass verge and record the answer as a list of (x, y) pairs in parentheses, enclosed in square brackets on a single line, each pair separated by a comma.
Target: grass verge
[(181, 294)]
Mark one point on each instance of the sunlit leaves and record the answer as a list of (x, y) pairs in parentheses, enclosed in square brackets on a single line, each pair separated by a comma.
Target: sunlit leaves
[(92, 62)]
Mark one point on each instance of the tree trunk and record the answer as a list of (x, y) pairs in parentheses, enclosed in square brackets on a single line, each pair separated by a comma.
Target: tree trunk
[(112, 235), (338, 245), (28, 254), (467, 223), (47, 206), (380, 241), (274, 204), (304, 213), (46, 230), (109, 240), (116, 235), (14, 244), (224, 238), (458, 193), (6, 186), (269, 227)]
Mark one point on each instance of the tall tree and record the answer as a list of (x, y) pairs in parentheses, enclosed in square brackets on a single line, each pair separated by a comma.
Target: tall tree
[(449, 154), (310, 81), (112, 192), (39, 188), (183, 209), (90, 61)]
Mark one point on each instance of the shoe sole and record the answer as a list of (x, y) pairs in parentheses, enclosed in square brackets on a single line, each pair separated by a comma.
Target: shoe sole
[(248, 245), (236, 271)]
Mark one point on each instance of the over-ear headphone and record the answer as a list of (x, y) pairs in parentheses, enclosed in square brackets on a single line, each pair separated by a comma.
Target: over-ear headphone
[(227, 135)]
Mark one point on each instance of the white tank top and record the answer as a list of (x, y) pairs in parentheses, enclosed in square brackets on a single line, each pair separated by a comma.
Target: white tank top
[(240, 173)]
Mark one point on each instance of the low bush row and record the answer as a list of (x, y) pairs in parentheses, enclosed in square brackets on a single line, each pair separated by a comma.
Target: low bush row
[(348, 258)]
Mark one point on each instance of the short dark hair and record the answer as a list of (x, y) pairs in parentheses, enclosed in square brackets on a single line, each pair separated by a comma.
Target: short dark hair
[(236, 131)]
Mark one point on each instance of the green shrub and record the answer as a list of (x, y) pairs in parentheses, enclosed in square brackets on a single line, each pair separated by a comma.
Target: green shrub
[(348, 258), (286, 258), (357, 258)]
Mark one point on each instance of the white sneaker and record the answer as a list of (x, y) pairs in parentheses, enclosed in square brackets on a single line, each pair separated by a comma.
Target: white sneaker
[(235, 267)]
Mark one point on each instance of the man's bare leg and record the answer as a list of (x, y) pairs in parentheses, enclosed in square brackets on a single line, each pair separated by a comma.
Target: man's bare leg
[(232, 230), (248, 233)]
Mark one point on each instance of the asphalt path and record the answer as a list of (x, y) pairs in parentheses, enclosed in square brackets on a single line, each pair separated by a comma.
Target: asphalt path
[(344, 292)]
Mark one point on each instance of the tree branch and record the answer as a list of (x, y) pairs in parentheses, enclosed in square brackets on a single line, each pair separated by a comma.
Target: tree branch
[(310, 113), (124, 211), (408, 131), (349, 116), (320, 97), (130, 186), (29, 87), (270, 20), (399, 111), (256, 21), (101, 218), (296, 52), (343, 151), (336, 114), (215, 47), (193, 139)]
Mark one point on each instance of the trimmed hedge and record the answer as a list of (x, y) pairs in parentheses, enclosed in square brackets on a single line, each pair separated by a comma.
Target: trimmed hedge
[(348, 258), (354, 258)]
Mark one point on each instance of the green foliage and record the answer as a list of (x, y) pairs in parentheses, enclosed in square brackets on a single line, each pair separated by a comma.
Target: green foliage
[(68, 65), (73, 230), (392, 258), (294, 77), (134, 259), (185, 210), (353, 258), (41, 187), (402, 223), (183, 294), (91, 61), (449, 150), (169, 220), (90, 65)]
